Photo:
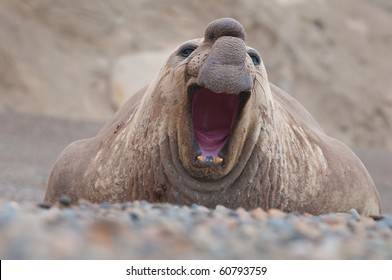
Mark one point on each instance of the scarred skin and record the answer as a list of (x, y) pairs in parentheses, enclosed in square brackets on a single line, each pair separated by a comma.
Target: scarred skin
[(277, 155)]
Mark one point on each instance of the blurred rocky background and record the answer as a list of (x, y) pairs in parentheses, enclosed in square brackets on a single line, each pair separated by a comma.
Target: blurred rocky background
[(67, 65)]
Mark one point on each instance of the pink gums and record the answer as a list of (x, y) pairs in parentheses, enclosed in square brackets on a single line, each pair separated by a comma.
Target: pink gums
[(213, 116)]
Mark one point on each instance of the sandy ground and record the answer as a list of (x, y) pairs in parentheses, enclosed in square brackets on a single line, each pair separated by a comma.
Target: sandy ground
[(30, 144)]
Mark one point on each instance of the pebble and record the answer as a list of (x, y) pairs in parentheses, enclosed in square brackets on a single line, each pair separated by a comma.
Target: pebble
[(141, 230), (65, 200), (275, 213), (354, 214), (44, 205), (387, 220)]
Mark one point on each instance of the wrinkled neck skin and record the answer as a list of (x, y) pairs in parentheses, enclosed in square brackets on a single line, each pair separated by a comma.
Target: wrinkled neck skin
[(173, 180), (236, 176)]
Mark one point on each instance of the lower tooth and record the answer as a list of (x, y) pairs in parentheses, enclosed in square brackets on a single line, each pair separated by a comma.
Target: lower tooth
[(201, 159), (218, 160)]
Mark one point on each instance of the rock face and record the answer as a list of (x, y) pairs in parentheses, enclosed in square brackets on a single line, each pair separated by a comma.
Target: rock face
[(59, 57)]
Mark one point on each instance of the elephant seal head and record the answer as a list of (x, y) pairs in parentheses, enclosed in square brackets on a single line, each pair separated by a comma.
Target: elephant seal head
[(217, 118)]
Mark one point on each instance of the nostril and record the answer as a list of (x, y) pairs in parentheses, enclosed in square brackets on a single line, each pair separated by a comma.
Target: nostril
[(224, 27)]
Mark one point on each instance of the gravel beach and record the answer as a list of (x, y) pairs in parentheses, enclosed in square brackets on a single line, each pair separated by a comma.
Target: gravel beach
[(141, 230)]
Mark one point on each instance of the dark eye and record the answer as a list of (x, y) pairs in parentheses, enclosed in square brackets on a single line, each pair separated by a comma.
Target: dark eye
[(255, 58), (186, 51)]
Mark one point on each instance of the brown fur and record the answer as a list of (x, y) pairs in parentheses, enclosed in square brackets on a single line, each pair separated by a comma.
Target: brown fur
[(277, 155)]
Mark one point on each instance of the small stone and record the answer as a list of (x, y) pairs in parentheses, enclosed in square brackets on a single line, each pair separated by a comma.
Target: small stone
[(242, 213), (354, 226), (144, 202), (281, 226), (367, 222), (233, 213), (219, 231), (307, 229), (44, 205), (387, 220), (333, 219), (65, 200), (194, 206), (106, 205), (134, 217), (68, 213), (276, 213), (136, 214), (199, 211), (221, 209), (85, 202), (354, 214), (126, 205), (259, 214)]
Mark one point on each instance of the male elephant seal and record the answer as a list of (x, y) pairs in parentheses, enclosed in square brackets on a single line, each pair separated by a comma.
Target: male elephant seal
[(210, 129)]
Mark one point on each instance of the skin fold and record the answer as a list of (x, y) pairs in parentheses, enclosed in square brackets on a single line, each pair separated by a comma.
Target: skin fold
[(275, 156)]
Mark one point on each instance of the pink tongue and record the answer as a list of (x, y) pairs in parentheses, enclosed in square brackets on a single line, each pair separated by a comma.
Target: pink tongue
[(213, 116)]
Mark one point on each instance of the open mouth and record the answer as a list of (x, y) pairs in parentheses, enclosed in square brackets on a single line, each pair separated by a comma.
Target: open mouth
[(213, 117)]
